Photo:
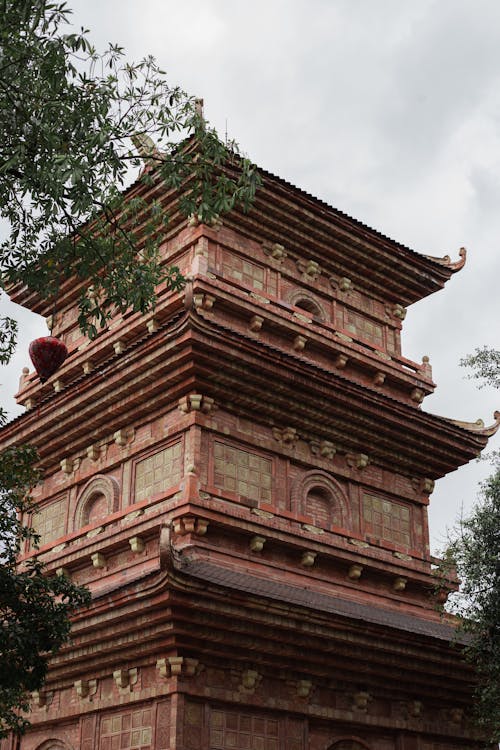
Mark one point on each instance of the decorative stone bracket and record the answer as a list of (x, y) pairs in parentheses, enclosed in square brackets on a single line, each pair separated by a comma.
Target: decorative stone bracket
[(94, 452), (197, 402), (299, 343), (340, 361), (178, 666), (303, 688), (58, 385), (415, 708), (257, 543), (399, 583), (324, 448), (360, 543), (343, 285), (119, 346), (286, 435), (125, 679), (124, 435), (98, 560), (309, 268), (402, 556), (274, 250), (152, 325), (357, 460), (194, 220), (69, 465), (354, 572), (41, 698), (397, 311), (136, 544), (423, 484), (361, 701), (417, 395), (190, 525), (312, 529), (255, 323), (203, 301), (86, 688), (308, 558), (250, 680)]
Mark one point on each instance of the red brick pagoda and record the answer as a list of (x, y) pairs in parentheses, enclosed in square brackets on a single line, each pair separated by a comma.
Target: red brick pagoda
[(242, 481)]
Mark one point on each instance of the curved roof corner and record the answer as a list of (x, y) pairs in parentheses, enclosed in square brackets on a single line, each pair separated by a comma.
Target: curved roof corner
[(447, 262)]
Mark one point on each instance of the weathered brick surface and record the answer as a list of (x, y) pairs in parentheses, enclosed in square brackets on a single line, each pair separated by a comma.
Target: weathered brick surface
[(242, 481)]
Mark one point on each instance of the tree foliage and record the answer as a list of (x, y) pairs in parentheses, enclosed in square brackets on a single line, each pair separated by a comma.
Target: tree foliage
[(34, 608), (74, 124), (485, 366), (475, 551)]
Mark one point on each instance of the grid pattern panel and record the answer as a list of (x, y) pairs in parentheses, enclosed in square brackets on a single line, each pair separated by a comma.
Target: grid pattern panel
[(158, 472), (365, 328), (50, 521), (387, 520), (126, 731), (247, 474), (241, 731), (247, 273)]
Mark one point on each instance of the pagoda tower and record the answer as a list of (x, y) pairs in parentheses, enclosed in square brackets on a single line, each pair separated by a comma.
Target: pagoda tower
[(242, 480)]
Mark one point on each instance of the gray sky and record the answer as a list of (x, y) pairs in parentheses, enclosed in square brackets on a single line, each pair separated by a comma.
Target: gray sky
[(387, 110)]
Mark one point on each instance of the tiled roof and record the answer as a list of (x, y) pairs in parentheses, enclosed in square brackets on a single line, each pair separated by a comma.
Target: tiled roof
[(288, 594)]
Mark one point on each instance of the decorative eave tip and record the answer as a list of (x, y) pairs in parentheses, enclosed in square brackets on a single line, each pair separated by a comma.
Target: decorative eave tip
[(446, 261), (478, 427)]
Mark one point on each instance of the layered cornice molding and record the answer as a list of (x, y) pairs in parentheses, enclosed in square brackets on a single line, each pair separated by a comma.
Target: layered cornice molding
[(193, 353)]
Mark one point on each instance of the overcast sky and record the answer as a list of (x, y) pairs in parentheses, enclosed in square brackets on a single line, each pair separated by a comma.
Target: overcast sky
[(387, 110)]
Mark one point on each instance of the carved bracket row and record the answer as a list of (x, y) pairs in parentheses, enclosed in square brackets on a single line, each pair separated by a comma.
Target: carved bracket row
[(289, 436), (122, 437)]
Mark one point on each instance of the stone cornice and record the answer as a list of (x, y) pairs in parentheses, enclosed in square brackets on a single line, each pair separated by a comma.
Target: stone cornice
[(180, 357), (187, 611)]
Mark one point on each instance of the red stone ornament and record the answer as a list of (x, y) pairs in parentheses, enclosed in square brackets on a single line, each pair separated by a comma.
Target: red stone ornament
[(47, 354)]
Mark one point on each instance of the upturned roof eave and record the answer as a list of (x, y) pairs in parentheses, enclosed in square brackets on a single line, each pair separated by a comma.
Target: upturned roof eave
[(415, 275)]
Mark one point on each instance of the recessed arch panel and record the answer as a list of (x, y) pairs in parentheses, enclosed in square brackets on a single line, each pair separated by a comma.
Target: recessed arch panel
[(318, 495), (54, 744), (308, 302), (99, 498), (349, 743)]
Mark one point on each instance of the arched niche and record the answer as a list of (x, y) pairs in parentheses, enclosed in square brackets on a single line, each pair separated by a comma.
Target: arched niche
[(54, 744), (306, 301), (349, 743), (99, 498), (318, 495)]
